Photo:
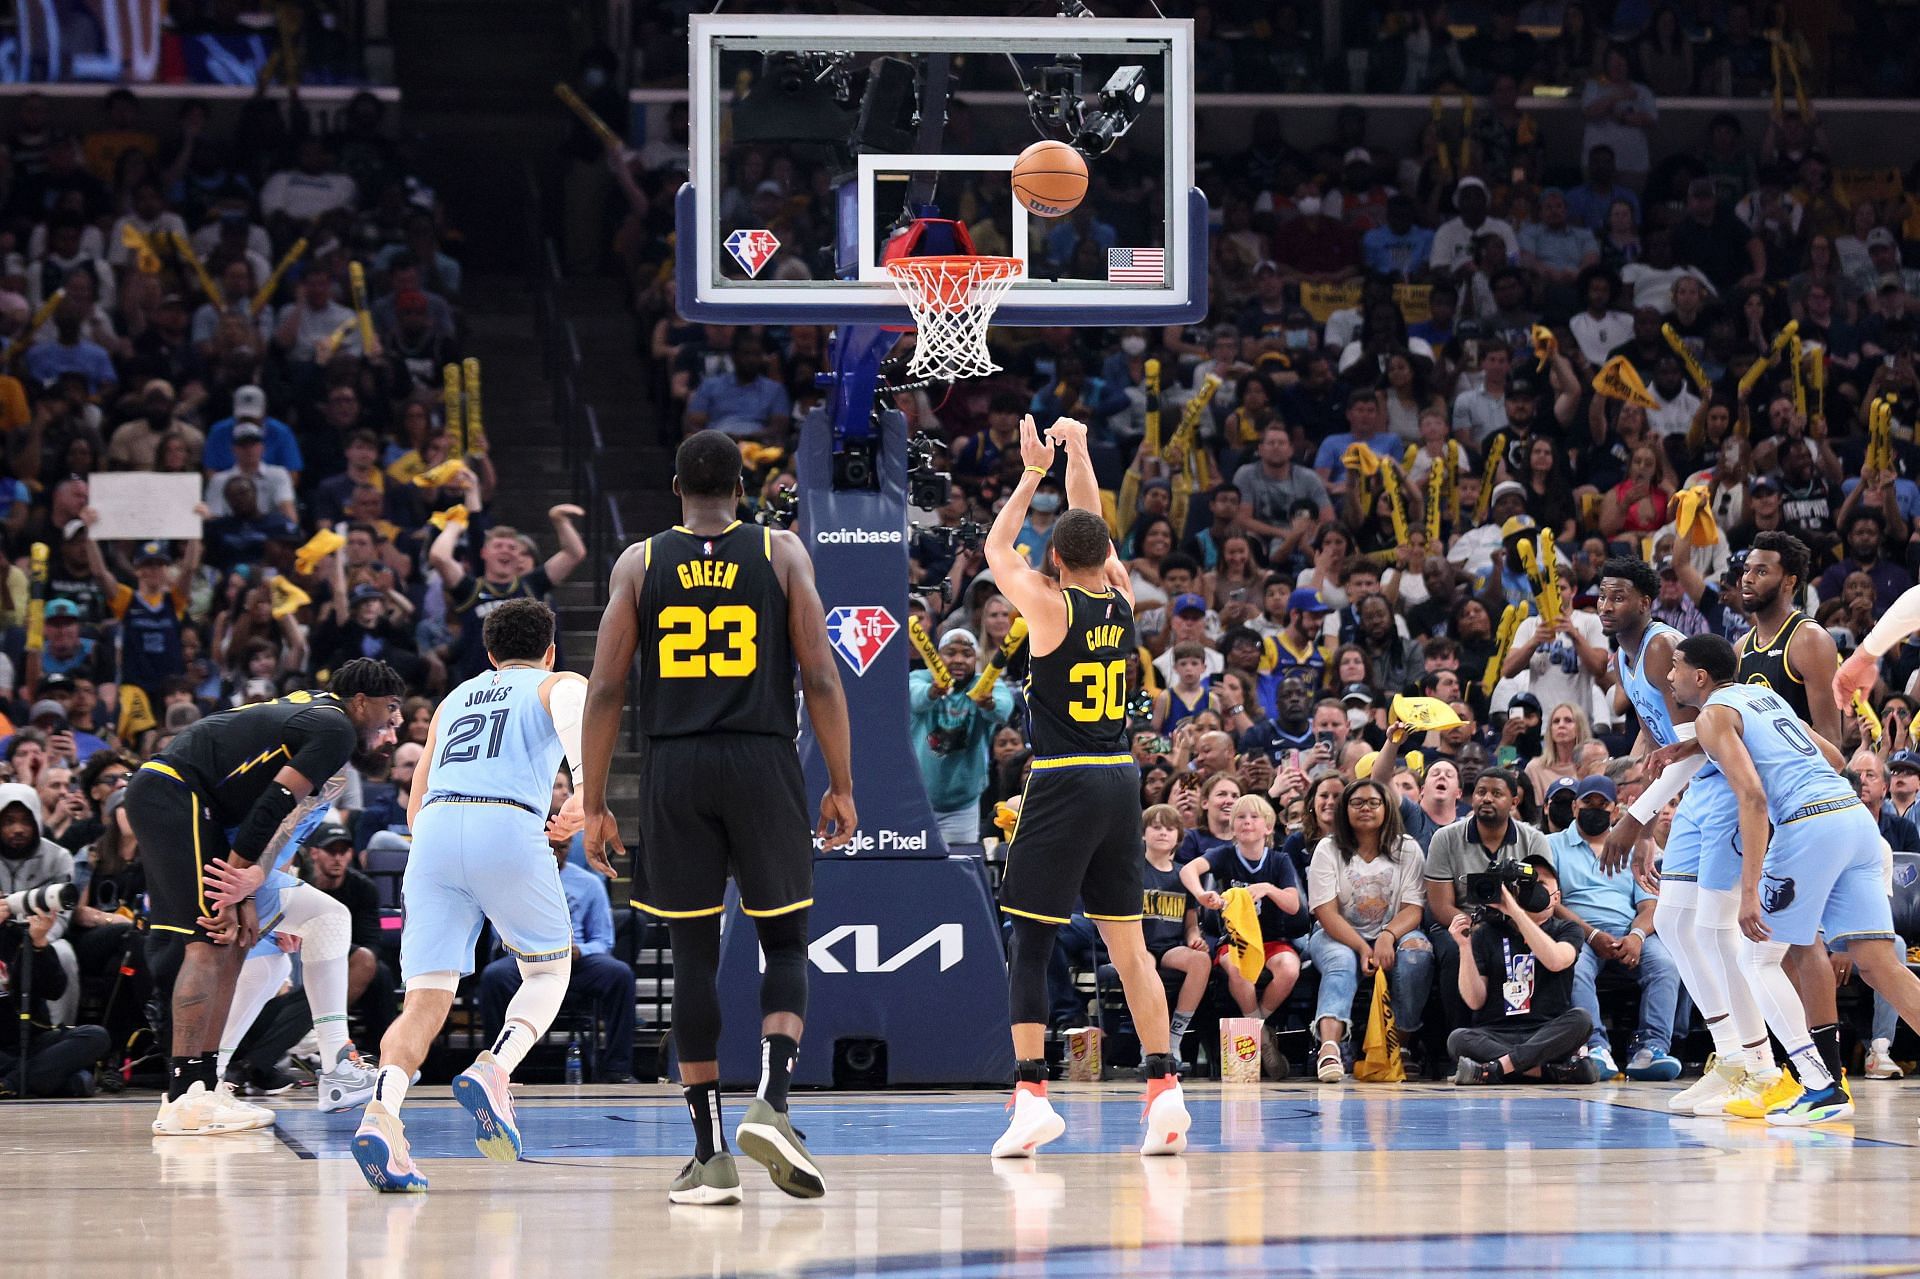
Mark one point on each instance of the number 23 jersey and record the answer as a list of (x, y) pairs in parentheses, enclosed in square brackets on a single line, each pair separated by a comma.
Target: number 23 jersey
[(714, 653), (1077, 695)]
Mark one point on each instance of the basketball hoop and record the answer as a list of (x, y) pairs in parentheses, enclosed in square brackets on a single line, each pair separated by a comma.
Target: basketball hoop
[(953, 299)]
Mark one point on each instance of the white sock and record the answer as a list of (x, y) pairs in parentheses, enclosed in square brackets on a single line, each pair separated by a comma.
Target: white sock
[(258, 982), (390, 1089), (515, 1041), (1786, 1017)]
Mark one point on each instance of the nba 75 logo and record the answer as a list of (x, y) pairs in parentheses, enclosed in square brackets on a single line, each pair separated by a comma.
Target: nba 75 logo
[(858, 632), (752, 249)]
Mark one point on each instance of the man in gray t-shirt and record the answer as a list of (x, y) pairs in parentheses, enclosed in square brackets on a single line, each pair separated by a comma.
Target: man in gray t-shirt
[(1272, 486), (1467, 847)]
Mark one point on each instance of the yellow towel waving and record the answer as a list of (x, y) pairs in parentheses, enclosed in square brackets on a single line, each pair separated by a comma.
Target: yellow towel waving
[(1242, 919)]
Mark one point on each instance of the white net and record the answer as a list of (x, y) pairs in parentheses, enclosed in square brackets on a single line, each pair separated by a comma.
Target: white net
[(953, 300)]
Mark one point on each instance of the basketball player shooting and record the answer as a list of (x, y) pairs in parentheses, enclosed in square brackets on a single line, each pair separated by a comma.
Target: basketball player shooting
[(1079, 833), (720, 614)]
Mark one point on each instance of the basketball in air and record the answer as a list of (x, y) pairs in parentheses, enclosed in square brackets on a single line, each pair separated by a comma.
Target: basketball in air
[(1050, 178)]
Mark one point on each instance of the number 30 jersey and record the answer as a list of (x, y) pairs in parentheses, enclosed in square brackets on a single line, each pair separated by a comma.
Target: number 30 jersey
[(496, 740), (714, 653), (1077, 694)]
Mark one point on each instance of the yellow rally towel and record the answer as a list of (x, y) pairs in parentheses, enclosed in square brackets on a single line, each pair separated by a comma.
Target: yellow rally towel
[(1424, 714), (1693, 516), (136, 713), (441, 474), (452, 515), (287, 598), (1617, 381), (1242, 920), (1545, 345), (318, 547), (756, 456), (1380, 1061), (1361, 459), (145, 259)]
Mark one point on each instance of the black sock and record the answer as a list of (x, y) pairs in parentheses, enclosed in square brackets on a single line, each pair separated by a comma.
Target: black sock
[(777, 1053), (184, 1072), (703, 1104), (1159, 1065), (1030, 1070), (1826, 1041)]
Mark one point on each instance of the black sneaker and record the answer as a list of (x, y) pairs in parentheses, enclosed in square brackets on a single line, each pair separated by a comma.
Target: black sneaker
[(1571, 1070), (1471, 1072), (269, 1081)]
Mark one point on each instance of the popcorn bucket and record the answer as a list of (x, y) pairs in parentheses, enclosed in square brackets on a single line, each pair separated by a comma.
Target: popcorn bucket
[(1085, 1062), (1240, 1050)]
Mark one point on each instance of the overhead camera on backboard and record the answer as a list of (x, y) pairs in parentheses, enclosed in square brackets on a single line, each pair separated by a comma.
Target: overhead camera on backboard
[(1058, 105)]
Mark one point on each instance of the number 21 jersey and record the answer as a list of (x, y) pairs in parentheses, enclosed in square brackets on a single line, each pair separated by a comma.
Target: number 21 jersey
[(496, 740), (714, 653), (1077, 695)]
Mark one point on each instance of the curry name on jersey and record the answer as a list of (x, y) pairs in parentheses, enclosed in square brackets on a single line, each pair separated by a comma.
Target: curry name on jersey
[(1078, 692), (714, 650)]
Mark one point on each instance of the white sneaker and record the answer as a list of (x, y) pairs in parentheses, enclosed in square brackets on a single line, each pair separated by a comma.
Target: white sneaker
[(1603, 1058), (1328, 1065), (199, 1113), (1167, 1119), (347, 1085), (229, 1093), (1880, 1062), (1713, 1089), (1035, 1123)]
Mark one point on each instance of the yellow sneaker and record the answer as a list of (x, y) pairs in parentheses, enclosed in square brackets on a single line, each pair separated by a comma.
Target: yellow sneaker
[(1761, 1092)]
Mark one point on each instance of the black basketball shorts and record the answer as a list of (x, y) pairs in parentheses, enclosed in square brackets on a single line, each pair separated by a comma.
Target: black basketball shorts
[(178, 837), (718, 805), (1078, 839)]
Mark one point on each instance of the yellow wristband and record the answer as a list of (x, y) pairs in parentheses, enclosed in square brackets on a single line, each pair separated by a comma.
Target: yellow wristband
[(1036, 470)]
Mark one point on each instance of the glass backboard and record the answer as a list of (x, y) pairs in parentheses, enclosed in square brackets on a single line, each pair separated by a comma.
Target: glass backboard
[(816, 140)]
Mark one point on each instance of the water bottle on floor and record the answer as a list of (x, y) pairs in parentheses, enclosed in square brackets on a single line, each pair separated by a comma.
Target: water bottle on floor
[(573, 1060)]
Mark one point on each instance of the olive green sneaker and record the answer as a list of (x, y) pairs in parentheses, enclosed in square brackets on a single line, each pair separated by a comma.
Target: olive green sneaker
[(767, 1137), (714, 1182)]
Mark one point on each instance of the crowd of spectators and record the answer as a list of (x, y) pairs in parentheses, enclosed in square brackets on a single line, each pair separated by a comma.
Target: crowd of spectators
[(1409, 337), (340, 517)]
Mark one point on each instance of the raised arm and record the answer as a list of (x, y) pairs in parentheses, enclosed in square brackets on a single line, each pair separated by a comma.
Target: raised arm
[(561, 563), (1031, 592)]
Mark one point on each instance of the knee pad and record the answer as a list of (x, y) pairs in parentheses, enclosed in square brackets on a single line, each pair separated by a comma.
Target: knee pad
[(329, 936), (1717, 909), (783, 941), (1027, 959), (1760, 957), (696, 998), (543, 986)]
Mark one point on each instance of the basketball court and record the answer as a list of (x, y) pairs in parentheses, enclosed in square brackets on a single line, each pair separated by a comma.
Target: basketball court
[(1283, 1180)]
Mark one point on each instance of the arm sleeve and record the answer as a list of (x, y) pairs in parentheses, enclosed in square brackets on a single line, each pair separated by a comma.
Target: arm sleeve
[(1899, 621), (567, 704), (1670, 783)]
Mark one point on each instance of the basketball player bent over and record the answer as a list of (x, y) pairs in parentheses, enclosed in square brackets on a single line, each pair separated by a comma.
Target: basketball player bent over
[(720, 613), (1079, 829), (478, 812)]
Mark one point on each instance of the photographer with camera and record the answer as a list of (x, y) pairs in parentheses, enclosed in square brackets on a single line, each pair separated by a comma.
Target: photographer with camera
[(1490, 836), (59, 1060), (1517, 977), (29, 860)]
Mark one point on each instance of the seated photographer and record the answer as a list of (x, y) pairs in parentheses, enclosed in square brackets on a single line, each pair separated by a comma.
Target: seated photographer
[(1490, 835), (60, 1061), (1615, 916), (30, 860), (1518, 980)]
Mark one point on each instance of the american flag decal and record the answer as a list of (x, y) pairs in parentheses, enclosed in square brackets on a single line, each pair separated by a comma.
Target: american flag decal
[(1136, 266)]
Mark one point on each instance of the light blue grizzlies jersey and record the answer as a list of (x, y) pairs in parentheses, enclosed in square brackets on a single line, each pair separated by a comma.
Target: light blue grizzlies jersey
[(496, 741), (1648, 702), (1793, 772)]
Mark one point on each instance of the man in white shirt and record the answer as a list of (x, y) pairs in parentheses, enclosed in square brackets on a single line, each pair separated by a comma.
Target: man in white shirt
[(314, 317), (1453, 242), (1601, 327), (312, 188), (1678, 403), (1473, 550), (274, 484), (1564, 662), (1479, 412), (150, 217)]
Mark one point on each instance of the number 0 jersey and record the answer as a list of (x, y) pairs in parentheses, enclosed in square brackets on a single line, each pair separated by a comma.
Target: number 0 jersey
[(1793, 772), (496, 740), (1077, 695), (714, 652)]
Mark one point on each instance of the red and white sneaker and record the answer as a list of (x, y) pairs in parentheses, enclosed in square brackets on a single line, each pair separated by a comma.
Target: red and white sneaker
[(1166, 1117), (1035, 1123)]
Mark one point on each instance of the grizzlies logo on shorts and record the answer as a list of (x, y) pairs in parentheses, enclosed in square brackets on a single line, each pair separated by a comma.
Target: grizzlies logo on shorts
[(1776, 893)]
